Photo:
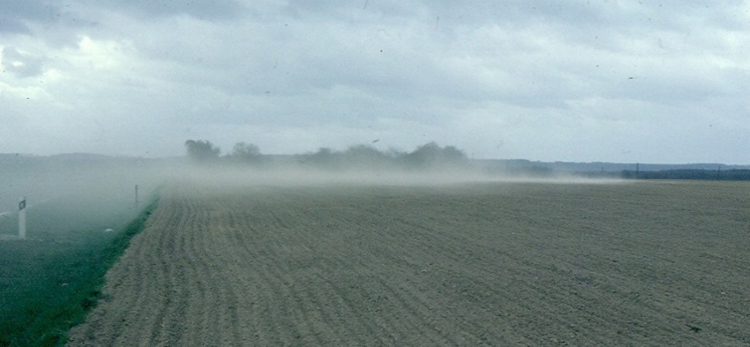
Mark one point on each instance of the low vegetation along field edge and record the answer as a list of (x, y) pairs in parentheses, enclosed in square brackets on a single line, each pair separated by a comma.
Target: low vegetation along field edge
[(48, 312)]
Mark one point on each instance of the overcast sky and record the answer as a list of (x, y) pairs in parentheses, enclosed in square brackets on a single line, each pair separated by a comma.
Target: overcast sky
[(597, 80)]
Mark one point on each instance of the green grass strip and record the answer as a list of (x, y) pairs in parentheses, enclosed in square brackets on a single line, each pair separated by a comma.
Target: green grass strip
[(50, 287)]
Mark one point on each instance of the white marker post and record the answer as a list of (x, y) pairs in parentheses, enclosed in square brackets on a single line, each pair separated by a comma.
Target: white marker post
[(22, 218)]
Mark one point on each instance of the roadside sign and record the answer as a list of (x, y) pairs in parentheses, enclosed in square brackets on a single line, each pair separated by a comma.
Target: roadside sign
[(22, 218)]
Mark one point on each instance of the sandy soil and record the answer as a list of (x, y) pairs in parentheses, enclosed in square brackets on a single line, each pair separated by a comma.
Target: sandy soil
[(644, 264)]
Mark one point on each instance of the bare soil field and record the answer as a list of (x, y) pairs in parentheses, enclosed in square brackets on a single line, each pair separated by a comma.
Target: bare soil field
[(495, 264)]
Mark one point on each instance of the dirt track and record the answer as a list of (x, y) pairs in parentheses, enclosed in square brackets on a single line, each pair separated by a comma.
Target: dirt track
[(647, 264)]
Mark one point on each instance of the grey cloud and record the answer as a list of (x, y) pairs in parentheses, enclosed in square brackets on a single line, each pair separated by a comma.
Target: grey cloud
[(15, 14), (57, 24), (323, 60), (8, 24), (21, 64), (333, 8), (583, 20), (53, 18), (202, 9), (312, 66)]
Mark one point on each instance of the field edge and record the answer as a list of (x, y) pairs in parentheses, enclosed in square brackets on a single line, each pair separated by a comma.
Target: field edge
[(111, 253)]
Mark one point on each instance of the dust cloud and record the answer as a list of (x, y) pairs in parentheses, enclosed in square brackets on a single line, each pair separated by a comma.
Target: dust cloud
[(293, 175), (91, 185), (111, 180)]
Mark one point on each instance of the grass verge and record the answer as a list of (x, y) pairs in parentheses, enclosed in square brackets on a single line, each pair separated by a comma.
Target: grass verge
[(48, 286)]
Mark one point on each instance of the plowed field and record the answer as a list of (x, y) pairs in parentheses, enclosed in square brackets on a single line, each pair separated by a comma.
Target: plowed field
[(497, 264)]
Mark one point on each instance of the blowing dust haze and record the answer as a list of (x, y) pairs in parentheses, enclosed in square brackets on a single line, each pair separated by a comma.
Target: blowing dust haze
[(97, 183)]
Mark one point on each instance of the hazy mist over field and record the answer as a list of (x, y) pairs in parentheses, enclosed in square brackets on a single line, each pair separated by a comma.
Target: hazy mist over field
[(98, 187), (296, 176), (114, 181), (106, 184)]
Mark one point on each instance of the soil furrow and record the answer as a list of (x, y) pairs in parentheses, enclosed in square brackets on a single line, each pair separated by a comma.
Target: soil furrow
[(485, 264)]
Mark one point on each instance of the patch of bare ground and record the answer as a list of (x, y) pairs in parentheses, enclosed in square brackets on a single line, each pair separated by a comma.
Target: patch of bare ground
[(642, 264)]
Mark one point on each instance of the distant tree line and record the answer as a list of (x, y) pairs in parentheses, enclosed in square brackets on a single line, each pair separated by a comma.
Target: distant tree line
[(690, 174), (674, 174), (671, 174), (204, 152), (427, 156)]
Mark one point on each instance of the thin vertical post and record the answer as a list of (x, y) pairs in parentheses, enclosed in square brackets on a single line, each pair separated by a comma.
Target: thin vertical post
[(136, 197), (22, 218)]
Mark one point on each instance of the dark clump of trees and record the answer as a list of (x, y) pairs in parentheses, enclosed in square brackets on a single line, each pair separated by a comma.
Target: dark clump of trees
[(358, 157), (245, 153), (428, 156), (204, 152), (431, 155)]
